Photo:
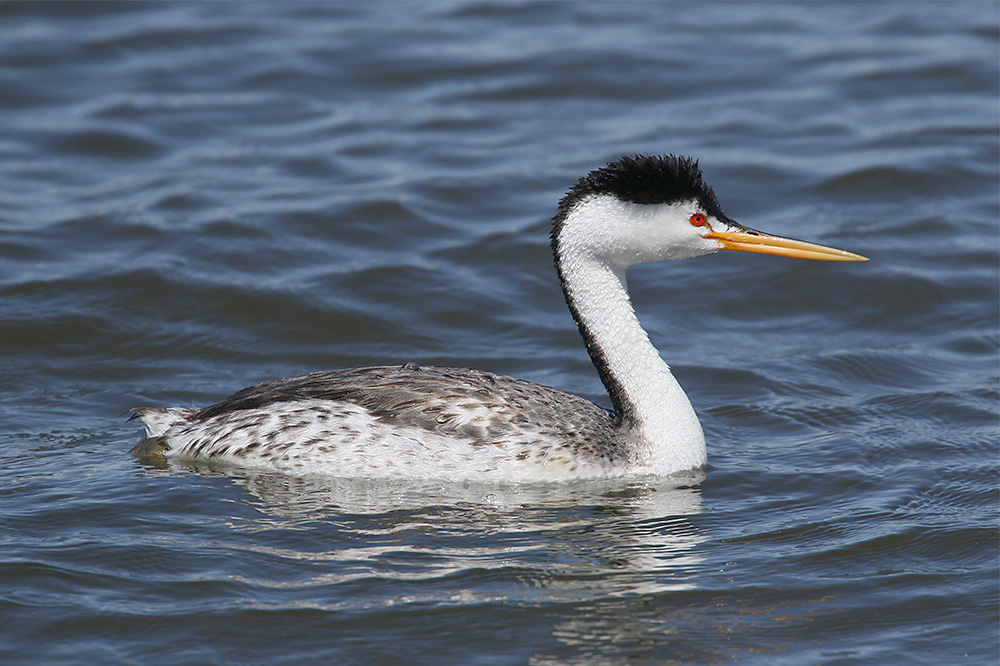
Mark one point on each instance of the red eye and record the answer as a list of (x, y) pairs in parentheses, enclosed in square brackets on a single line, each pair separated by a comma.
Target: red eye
[(698, 219)]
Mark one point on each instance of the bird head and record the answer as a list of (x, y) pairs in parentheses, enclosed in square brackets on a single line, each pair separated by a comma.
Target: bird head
[(654, 208)]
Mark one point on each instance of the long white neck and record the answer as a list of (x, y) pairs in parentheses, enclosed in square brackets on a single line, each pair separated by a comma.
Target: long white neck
[(655, 417)]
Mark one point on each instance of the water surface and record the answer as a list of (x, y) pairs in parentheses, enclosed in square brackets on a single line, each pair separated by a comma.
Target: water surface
[(196, 197)]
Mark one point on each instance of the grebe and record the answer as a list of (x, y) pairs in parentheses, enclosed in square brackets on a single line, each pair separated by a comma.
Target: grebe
[(432, 422)]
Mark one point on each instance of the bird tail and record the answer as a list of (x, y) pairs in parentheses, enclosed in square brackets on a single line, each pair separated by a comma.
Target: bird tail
[(157, 422)]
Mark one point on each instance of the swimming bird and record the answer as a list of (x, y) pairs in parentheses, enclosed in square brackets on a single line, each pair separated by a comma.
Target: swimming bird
[(435, 422)]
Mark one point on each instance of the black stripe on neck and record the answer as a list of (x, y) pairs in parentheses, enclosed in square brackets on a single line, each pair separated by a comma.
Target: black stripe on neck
[(622, 406)]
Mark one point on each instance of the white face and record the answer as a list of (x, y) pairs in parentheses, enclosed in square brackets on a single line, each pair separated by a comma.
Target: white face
[(624, 234)]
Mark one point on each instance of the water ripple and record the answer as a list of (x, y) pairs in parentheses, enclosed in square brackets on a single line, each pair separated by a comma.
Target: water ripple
[(195, 199)]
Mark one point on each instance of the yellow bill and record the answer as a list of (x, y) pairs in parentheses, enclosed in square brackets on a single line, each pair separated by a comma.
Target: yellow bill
[(783, 247)]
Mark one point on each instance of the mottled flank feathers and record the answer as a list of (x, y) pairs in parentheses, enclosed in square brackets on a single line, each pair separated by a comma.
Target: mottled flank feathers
[(350, 417)]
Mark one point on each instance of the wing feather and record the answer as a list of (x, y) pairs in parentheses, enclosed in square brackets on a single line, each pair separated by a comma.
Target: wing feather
[(479, 405)]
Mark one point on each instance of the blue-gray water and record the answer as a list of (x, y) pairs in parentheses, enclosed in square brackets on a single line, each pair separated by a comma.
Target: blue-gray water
[(197, 197)]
